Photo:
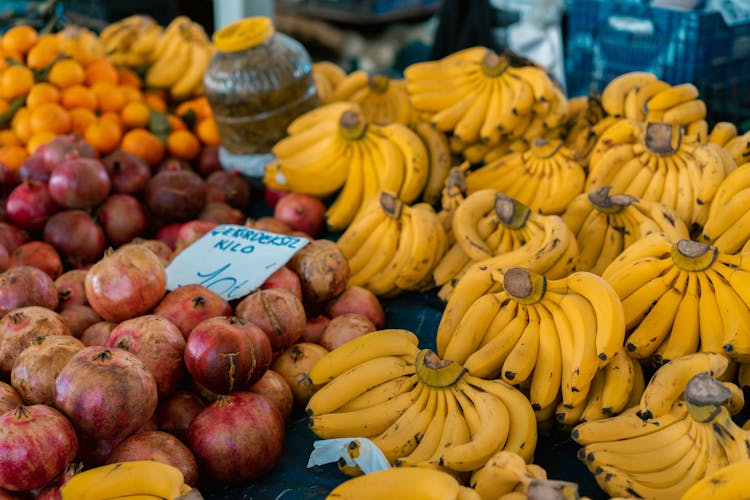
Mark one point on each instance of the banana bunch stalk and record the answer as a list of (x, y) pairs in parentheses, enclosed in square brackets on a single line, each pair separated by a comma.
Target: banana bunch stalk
[(81, 43), (583, 128), (545, 178), (663, 456), (488, 224), (605, 224), (554, 335), (327, 75), (125, 479), (641, 96), (478, 95), (656, 162), (545, 246), (383, 100), (178, 58), (728, 223), (130, 41), (333, 147), (681, 297), (392, 247), (420, 411)]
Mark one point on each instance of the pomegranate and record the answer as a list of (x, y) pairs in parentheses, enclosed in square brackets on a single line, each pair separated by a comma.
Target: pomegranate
[(234, 185), (188, 305), (323, 271), (76, 235), (160, 249), (79, 183), (21, 326), (22, 286), (11, 237), (178, 195), (71, 289), (93, 452), (314, 328), (127, 283), (78, 318), (9, 398), (52, 490), (29, 205), (272, 196), (215, 194), (202, 392), (191, 231), (270, 225), (36, 443), (360, 300), (4, 258), (175, 413), (39, 254), (35, 168), (63, 148), (160, 447), (274, 388), (129, 173), (106, 392), (278, 312), (220, 354), (221, 213), (169, 234), (302, 212), (208, 161), (98, 333), (294, 365), (238, 438), (36, 367), (173, 163), (122, 217), (158, 343), (8, 178), (284, 278), (343, 328)]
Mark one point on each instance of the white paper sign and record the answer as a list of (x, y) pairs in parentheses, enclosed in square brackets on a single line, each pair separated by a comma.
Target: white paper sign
[(232, 260)]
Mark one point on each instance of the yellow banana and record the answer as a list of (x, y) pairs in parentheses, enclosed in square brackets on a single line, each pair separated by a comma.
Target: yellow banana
[(399, 482), (685, 113), (671, 97), (125, 478), (380, 393), (619, 380), (547, 376), (439, 155), (187, 84), (416, 161), (613, 95)]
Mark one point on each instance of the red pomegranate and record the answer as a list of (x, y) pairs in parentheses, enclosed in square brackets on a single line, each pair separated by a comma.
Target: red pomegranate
[(23, 286), (79, 183), (76, 235), (175, 413), (188, 305), (21, 326), (39, 254), (278, 312), (71, 289), (29, 205)]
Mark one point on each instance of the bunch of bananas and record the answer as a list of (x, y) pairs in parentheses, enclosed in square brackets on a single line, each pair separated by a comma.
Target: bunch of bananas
[(505, 472), (641, 96), (487, 224), (731, 481), (81, 43), (550, 336), (419, 410), (680, 297), (728, 224), (480, 153), (327, 75), (178, 58), (585, 126), (383, 100), (392, 247), (681, 438), (479, 95), (131, 40), (656, 161), (739, 148), (605, 224), (545, 178), (142, 478)]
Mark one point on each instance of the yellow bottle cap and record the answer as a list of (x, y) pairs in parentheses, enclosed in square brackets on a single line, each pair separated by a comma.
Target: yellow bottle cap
[(244, 34)]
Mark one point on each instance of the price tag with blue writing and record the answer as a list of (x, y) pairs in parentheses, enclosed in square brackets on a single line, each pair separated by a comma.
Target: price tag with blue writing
[(232, 260)]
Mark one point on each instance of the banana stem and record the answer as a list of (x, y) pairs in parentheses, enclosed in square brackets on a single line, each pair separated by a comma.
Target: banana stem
[(705, 396), (525, 286), (662, 138), (691, 255), (544, 489), (613, 204), (351, 125), (494, 65), (391, 204), (436, 372), (511, 212)]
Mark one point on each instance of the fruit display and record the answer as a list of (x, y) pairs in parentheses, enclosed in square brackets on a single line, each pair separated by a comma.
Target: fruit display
[(493, 272)]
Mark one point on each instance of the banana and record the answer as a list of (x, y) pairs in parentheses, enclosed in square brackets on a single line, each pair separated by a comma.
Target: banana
[(519, 363), (430, 440), (439, 155), (354, 237), (357, 380), (673, 96), (416, 161), (602, 170), (739, 148), (455, 430), (137, 477), (331, 71), (167, 69), (402, 436), (467, 127), (487, 360), (685, 335), (643, 94), (401, 482), (735, 317), (730, 481), (593, 408), (379, 251), (503, 473), (722, 133), (187, 84), (427, 233), (383, 282), (547, 376), (380, 393), (471, 329), (569, 414), (537, 77), (349, 200), (469, 212), (613, 95), (618, 383), (627, 425), (564, 334), (685, 113)]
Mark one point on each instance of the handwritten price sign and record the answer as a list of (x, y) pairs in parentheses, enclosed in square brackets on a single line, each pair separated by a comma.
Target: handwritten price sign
[(232, 260)]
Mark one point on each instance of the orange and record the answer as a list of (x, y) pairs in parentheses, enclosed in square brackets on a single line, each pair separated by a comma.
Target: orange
[(155, 100), (16, 81), (143, 144), (5, 54), (131, 93), (103, 135), (110, 97), (38, 139), (41, 93), (13, 156), (66, 73), (21, 124), (135, 114), (50, 117), (129, 78), (101, 70), (207, 131), (175, 123), (80, 119), (44, 52), (183, 144), (199, 105), (9, 138), (3, 105), (112, 117), (20, 39), (79, 96)]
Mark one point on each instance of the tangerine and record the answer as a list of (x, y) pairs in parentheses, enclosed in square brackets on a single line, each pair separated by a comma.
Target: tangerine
[(41, 93), (13, 156), (183, 144), (103, 135), (20, 39), (208, 132), (66, 73), (50, 117), (16, 81), (79, 96), (102, 70)]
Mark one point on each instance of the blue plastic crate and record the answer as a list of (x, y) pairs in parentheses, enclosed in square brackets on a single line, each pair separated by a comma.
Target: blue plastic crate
[(608, 38)]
